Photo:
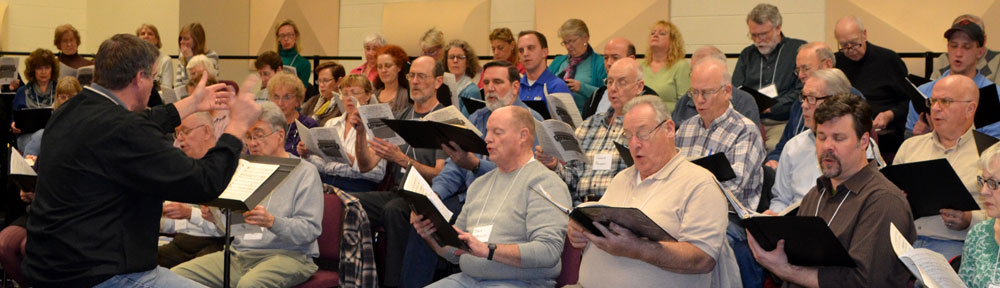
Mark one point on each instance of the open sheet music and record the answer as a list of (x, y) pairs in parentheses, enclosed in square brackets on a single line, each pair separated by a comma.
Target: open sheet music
[(416, 183), (928, 266), (559, 140), (743, 212), (248, 177), (372, 115), (324, 141), (8, 70), (21, 171), (451, 115), (562, 108)]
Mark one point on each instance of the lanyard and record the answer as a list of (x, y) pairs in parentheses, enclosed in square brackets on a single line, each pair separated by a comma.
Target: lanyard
[(819, 201), (494, 182), (760, 81)]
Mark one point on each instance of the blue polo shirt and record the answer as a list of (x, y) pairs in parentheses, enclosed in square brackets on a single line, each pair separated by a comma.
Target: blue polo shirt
[(536, 91)]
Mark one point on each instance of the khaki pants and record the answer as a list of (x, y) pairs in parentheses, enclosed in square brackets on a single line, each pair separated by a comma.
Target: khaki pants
[(774, 129), (271, 268)]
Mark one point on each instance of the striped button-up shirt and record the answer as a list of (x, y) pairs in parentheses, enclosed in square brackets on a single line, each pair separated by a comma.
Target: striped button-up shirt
[(739, 138), (596, 137)]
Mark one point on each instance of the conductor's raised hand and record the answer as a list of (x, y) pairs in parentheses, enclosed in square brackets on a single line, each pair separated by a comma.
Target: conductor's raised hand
[(243, 110)]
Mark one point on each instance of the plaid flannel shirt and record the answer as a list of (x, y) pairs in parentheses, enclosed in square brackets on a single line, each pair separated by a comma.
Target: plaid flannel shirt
[(596, 137), (357, 251)]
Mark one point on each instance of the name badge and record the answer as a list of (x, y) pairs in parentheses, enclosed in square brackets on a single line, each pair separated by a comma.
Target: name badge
[(602, 162), (180, 224), (482, 233), (994, 285), (253, 236), (769, 90)]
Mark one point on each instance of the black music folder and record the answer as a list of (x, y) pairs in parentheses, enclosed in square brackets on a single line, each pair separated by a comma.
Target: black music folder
[(444, 234), (917, 99), (988, 111), (763, 101), (625, 154), (808, 240), (718, 164), (246, 177), (540, 107), (930, 186), (431, 135), (31, 120), (631, 218), (983, 141), (471, 105), (917, 80), (21, 172)]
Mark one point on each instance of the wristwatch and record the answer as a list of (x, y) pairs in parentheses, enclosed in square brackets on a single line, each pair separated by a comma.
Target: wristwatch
[(493, 248)]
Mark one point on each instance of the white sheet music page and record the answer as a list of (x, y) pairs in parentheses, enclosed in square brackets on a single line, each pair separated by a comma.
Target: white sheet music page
[(416, 183), (248, 177)]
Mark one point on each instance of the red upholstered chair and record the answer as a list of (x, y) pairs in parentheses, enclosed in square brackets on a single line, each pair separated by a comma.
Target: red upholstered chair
[(571, 258), (329, 244)]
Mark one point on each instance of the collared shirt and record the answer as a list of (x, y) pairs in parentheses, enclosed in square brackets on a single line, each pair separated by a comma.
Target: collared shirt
[(927, 88), (797, 173), (537, 90), (964, 158), (741, 100), (756, 71), (683, 199), (357, 262), (596, 137), (739, 138), (859, 212)]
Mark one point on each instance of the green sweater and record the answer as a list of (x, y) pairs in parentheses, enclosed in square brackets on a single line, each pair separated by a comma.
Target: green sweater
[(303, 68)]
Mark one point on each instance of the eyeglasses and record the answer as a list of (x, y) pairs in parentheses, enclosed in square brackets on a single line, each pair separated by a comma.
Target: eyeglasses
[(812, 100), (257, 136), (945, 102), (431, 51), (705, 93), (569, 41), (643, 136), (993, 184), (457, 57), (286, 36), (181, 132), (285, 98), (324, 80), (761, 35), (802, 70), (848, 46), (620, 83), (419, 76)]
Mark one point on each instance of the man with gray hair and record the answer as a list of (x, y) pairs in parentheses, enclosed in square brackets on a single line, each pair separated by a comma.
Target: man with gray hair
[(880, 74), (276, 244), (120, 164), (765, 67), (989, 65), (679, 196), (718, 128), (616, 49), (742, 101)]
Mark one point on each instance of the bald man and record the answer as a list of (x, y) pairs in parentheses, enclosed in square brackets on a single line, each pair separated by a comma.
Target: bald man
[(880, 74), (953, 109), (742, 101), (616, 49), (515, 236)]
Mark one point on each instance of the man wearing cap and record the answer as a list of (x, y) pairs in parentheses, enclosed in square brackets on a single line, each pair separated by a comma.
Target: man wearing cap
[(987, 65), (965, 48)]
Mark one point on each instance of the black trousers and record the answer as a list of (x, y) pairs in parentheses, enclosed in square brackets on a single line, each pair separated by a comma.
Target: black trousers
[(389, 211)]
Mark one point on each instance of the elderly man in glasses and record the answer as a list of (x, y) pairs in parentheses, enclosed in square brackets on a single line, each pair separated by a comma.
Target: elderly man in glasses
[(953, 106), (718, 128), (661, 183)]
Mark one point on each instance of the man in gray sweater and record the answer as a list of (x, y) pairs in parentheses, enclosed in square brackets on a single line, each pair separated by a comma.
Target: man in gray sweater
[(514, 233)]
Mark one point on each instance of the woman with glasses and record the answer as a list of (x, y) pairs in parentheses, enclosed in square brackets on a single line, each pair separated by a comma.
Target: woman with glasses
[(286, 91), (323, 108), (463, 73), (287, 36), (354, 90), (664, 69), (391, 85), (981, 252), (581, 67), (67, 40)]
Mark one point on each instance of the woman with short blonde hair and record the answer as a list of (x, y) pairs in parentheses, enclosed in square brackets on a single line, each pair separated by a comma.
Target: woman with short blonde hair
[(287, 91)]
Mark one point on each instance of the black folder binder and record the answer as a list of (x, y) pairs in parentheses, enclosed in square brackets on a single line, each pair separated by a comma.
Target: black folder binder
[(444, 234), (988, 111), (930, 186), (808, 240), (983, 141), (31, 120), (471, 105), (286, 167), (917, 80), (431, 135), (631, 218), (763, 101), (718, 164), (916, 97), (539, 106), (625, 154)]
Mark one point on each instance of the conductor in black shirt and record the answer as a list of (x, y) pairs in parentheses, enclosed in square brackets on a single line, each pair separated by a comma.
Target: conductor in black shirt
[(107, 171)]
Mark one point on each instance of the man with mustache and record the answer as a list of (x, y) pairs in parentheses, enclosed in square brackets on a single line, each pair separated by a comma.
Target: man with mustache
[(855, 201), (768, 66), (953, 108), (597, 136)]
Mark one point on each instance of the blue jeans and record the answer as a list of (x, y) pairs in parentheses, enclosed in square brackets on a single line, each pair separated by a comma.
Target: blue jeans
[(751, 274), (157, 277), (948, 248)]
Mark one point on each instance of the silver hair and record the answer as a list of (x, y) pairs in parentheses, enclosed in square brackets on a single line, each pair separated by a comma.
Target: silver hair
[(822, 51), (727, 77), (836, 81), (203, 60), (272, 115), (990, 160), (655, 102), (375, 39), (764, 13), (713, 52)]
